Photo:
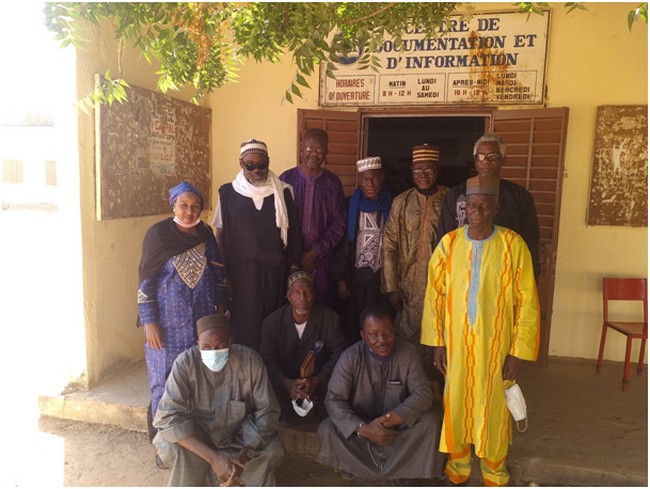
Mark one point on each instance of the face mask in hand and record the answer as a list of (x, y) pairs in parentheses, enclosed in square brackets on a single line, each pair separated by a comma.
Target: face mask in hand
[(215, 360), (304, 408), (516, 405)]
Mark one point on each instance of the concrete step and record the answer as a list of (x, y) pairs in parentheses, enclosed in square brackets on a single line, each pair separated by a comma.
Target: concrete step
[(122, 401)]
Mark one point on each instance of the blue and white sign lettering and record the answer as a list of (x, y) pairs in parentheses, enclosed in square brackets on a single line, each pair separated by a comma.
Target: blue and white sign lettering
[(491, 58)]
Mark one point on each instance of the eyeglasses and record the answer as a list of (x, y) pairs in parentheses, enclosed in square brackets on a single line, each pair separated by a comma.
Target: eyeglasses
[(489, 156), (429, 172), (315, 149), (261, 165)]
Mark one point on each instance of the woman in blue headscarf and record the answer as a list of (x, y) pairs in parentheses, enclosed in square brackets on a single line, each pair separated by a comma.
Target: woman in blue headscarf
[(181, 280)]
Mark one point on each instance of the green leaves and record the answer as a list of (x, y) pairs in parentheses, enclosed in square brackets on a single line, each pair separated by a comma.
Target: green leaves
[(202, 44), (639, 13), (106, 91)]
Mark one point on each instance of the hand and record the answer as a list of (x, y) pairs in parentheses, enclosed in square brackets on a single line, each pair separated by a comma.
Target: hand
[(307, 386), (308, 261), (295, 388), (153, 335), (376, 433), (221, 309), (343, 290), (390, 420), (396, 300), (510, 368), (238, 461), (440, 359), (223, 468)]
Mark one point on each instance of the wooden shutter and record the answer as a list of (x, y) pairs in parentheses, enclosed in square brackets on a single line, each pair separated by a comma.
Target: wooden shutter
[(536, 142), (343, 129)]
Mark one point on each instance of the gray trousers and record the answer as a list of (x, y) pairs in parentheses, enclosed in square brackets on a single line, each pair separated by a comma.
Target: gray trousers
[(188, 469)]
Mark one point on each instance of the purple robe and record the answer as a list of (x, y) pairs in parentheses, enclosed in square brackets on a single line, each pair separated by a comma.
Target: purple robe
[(320, 205)]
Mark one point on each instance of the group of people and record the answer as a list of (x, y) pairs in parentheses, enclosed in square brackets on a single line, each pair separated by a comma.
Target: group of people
[(304, 302)]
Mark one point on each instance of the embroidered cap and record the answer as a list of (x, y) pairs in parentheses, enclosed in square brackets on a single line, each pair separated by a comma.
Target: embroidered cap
[(371, 163), (253, 146), (299, 275), (426, 153), (483, 185), (211, 322)]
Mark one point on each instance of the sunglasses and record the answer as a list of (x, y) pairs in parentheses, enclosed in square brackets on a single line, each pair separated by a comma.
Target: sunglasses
[(489, 157), (262, 165)]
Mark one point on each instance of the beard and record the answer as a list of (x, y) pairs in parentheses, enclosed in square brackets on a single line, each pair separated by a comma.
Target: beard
[(259, 183)]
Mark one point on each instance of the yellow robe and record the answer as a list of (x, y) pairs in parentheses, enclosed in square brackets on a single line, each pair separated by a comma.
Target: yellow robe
[(492, 282)]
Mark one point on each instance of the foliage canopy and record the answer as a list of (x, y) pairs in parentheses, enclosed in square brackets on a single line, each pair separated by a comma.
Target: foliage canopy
[(202, 44)]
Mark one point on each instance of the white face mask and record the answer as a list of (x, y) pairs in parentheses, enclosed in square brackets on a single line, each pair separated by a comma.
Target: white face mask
[(215, 360), (183, 225), (304, 408), (516, 405)]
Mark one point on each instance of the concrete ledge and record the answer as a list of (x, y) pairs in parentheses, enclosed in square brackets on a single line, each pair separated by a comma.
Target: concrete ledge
[(93, 411)]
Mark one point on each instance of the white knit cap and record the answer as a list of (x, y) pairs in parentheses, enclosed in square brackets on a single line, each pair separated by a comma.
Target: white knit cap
[(253, 146), (371, 163)]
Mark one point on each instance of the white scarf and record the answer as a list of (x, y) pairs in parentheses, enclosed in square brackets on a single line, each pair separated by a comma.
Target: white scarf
[(273, 186)]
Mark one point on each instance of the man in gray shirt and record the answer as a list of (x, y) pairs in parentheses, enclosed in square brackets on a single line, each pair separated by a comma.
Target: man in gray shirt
[(218, 414)]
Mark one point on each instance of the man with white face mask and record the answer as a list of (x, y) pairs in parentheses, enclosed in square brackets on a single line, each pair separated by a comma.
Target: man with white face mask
[(218, 415)]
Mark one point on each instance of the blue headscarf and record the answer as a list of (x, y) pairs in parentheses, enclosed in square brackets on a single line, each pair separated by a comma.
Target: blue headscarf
[(359, 202), (181, 188)]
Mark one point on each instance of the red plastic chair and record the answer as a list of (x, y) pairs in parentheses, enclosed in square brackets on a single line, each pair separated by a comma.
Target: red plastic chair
[(625, 289)]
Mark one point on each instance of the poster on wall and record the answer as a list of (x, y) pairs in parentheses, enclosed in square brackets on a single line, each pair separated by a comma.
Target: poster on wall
[(618, 193), (145, 146), (494, 58)]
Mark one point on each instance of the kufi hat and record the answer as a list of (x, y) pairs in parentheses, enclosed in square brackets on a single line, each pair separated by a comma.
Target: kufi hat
[(426, 153), (371, 163), (253, 146), (181, 188), (212, 321), (483, 185), (299, 275)]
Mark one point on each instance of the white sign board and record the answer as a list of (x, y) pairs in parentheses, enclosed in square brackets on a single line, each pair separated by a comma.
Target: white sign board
[(491, 58)]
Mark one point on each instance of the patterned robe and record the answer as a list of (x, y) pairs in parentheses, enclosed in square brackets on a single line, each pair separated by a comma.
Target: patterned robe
[(481, 304), (187, 287), (408, 243)]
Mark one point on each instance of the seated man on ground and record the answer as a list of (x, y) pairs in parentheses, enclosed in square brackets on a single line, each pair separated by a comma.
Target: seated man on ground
[(382, 421), (218, 415), (289, 335)]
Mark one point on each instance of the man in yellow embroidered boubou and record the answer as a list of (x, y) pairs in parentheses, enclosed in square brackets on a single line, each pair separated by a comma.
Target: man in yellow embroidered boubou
[(481, 315), (382, 421)]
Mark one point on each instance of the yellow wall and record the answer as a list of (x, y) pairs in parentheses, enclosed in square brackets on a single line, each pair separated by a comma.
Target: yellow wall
[(111, 249), (601, 63), (593, 60)]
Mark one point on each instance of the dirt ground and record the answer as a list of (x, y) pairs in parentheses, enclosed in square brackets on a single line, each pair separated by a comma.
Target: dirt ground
[(103, 455)]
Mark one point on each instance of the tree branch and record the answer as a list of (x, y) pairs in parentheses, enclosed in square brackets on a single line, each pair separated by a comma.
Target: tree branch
[(372, 14)]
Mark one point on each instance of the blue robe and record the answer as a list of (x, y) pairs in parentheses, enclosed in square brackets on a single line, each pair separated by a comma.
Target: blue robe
[(187, 287)]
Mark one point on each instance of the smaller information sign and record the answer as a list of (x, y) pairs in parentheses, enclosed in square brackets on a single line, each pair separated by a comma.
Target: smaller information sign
[(492, 58)]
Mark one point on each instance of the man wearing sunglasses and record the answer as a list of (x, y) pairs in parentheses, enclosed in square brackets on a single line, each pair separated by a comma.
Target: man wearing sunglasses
[(516, 205), (259, 240)]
